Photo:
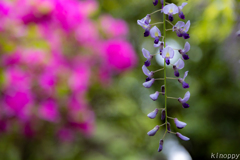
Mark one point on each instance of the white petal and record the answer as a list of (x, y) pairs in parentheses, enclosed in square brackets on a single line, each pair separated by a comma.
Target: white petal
[(187, 26)]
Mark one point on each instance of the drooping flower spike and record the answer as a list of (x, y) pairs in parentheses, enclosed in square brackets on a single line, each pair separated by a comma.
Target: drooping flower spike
[(178, 65), (184, 51), (181, 80), (160, 145), (154, 96), (155, 2), (147, 55), (153, 114), (145, 24), (184, 100), (167, 54), (180, 13), (147, 72), (153, 131), (179, 135), (170, 10), (156, 34), (148, 84), (181, 29), (179, 124)]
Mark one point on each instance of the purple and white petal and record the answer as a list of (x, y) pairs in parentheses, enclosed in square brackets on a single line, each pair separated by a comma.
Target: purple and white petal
[(179, 135), (153, 114), (179, 24), (179, 64), (179, 124), (170, 9), (155, 32), (186, 27), (154, 96), (167, 52), (186, 47), (160, 146), (148, 84), (153, 131), (185, 75), (146, 53), (146, 71), (186, 97), (183, 4)]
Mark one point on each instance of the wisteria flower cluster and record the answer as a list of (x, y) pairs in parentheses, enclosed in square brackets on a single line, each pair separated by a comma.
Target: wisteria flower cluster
[(167, 53), (52, 52)]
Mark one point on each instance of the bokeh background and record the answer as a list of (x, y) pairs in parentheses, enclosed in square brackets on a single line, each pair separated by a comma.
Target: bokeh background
[(71, 81)]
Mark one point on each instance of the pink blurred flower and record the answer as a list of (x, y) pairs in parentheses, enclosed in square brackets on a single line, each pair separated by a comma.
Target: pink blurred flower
[(113, 27), (119, 55), (48, 111), (88, 7), (18, 103)]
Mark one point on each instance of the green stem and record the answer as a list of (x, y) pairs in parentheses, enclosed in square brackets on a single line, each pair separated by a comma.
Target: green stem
[(165, 72)]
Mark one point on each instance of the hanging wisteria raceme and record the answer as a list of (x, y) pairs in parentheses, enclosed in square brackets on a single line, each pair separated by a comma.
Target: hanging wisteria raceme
[(167, 53)]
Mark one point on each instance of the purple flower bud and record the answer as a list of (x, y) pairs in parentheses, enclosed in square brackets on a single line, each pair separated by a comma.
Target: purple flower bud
[(176, 73), (154, 96), (153, 114), (170, 17), (185, 56), (147, 55), (185, 85), (184, 51), (163, 115), (186, 36), (179, 124), (184, 100), (146, 33), (180, 13), (155, 2), (179, 135), (163, 89), (181, 80), (167, 61), (160, 146), (156, 40), (148, 84), (162, 3), (153, 131), (148, 79), (178, 65), (168, 127)]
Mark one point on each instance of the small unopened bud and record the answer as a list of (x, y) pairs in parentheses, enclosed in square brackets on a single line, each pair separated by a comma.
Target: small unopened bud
[(179, 135), (154, 96), (163, 115), (179, 124), (153, 131), (163, 89), (155, 2), (168, 127), (153, 114), (160, 145)]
